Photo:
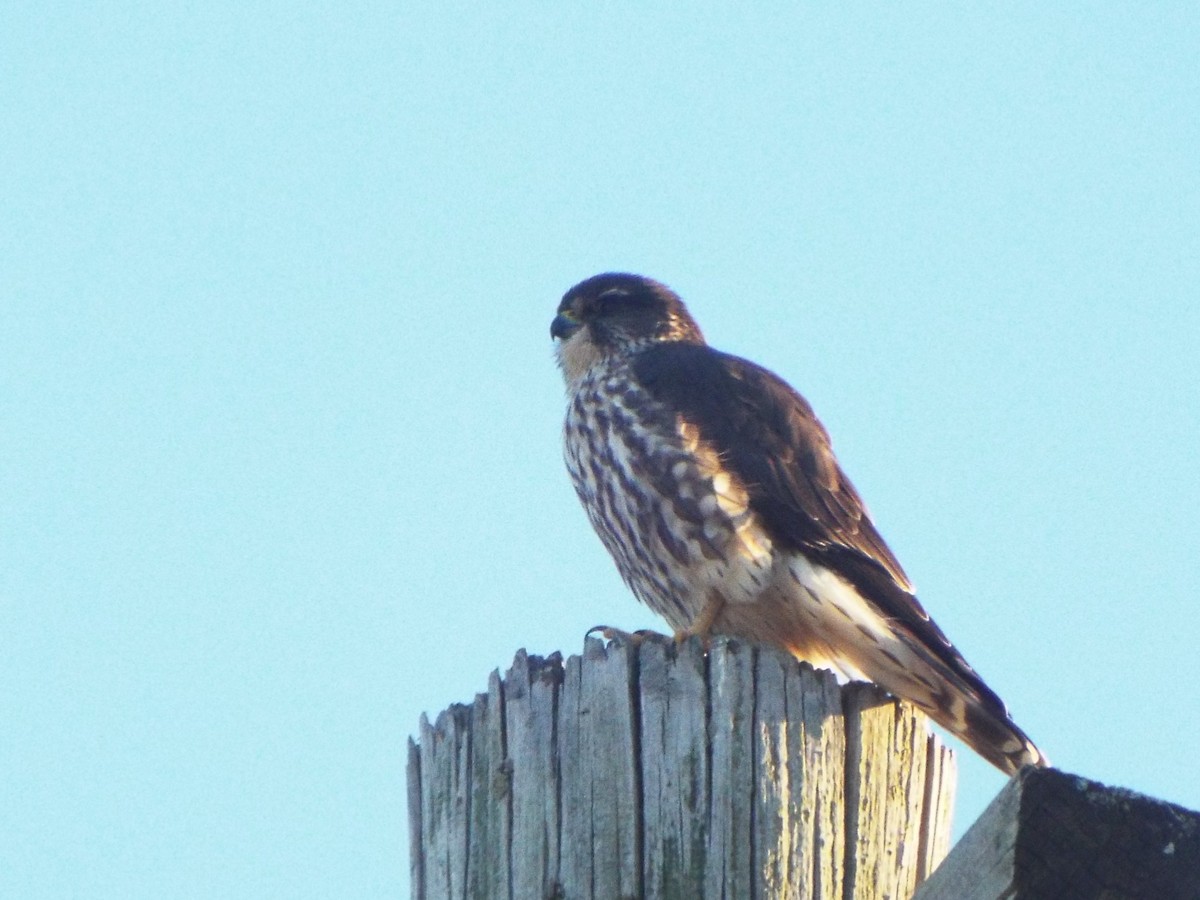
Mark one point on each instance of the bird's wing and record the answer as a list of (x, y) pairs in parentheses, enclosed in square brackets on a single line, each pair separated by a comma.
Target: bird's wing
[(767, 435)]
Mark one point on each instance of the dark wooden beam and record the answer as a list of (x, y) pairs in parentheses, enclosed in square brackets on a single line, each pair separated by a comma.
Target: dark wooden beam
[(1049, 835)]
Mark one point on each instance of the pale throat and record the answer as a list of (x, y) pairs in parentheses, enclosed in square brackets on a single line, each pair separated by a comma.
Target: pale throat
[(576, 357)]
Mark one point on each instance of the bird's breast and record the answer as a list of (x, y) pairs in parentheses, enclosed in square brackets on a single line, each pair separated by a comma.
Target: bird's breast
[(676, 521)]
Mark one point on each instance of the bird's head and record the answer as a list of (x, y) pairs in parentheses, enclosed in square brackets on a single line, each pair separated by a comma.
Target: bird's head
[(613, 314)]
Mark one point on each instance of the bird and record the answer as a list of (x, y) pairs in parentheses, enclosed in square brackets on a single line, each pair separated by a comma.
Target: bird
[(715, 489)]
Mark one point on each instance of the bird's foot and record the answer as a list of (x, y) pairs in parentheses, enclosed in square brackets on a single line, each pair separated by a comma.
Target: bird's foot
[(703, 635), (634, 638), (702, 625)]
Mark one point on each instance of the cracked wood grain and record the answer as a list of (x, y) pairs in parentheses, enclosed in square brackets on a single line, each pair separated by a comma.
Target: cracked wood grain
[(663, 771)]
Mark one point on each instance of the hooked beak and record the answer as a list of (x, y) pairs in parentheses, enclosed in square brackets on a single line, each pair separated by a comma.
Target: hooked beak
[(563, 327)]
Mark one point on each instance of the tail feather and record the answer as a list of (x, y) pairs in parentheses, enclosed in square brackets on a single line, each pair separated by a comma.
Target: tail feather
[(976, 717), (825, 619), (994, 737)]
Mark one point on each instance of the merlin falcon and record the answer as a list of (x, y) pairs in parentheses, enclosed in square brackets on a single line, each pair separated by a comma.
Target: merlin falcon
[(715, 488)]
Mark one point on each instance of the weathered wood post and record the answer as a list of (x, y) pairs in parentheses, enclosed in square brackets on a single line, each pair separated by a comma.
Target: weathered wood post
[(655, 771)]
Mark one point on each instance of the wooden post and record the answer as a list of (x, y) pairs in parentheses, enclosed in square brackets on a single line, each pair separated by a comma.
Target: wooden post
[(662, 772), (1050, 835)]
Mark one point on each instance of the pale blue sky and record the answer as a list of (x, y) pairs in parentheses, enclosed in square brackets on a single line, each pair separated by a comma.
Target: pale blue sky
[(279, 420)]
